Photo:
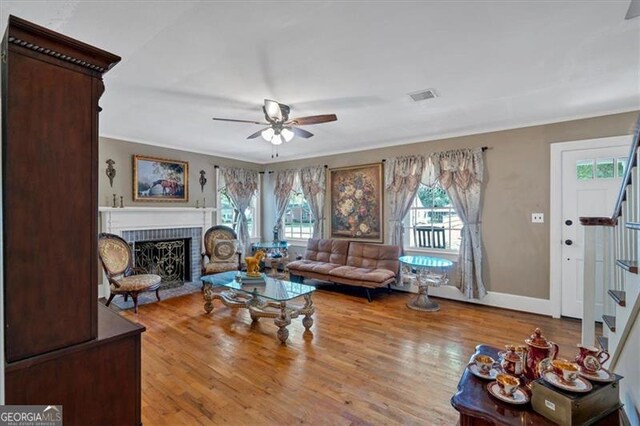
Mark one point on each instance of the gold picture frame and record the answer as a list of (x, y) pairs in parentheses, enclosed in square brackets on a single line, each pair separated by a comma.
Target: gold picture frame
[(357, 203), (159, 179)]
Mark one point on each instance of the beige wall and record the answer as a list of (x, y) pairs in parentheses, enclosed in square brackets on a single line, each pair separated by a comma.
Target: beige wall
[(122, 152), (517, 183)]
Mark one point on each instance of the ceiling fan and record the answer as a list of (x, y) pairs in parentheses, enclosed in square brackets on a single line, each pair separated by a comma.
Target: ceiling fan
[(280, 127)]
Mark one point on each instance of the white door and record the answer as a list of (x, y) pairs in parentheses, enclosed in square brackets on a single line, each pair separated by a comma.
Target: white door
[(591, 179)]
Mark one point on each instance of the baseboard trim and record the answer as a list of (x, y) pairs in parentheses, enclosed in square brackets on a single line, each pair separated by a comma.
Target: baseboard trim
[(499, 300)]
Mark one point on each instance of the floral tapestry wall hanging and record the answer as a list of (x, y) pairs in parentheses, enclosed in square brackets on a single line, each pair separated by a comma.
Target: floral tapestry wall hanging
[(356, 203)]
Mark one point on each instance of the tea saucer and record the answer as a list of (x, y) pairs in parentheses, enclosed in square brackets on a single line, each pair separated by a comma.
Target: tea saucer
[(519, 396), (491, 375), (601, 375), (580, 385)]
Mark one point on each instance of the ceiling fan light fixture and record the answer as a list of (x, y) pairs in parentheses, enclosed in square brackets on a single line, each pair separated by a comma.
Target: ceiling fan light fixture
[(277, 140), (287, 134), (267, 134)]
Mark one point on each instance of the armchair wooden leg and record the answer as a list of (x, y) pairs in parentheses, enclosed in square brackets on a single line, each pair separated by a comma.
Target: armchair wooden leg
[(134, 296), (110, 298), (157, 293)]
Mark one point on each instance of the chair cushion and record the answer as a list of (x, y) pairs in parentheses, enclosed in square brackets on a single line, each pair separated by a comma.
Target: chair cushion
[(223, 251), (136, 283), (362, 274), (217, 267)]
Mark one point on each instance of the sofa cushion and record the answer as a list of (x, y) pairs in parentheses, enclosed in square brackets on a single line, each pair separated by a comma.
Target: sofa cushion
[(362, 274), (328, 251), (312, 266), (374, 256)]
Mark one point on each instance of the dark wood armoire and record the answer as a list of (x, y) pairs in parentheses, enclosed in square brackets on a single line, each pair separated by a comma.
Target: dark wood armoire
[(60, 346)]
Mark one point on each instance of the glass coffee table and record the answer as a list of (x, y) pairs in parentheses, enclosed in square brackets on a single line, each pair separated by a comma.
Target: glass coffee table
[(268, 299)]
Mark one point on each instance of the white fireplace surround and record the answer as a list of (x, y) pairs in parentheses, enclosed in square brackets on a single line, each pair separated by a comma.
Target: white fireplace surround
[(118, 220)]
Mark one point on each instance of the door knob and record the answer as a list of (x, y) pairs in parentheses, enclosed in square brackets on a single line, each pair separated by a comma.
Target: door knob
[(568, 242), (568, 222)]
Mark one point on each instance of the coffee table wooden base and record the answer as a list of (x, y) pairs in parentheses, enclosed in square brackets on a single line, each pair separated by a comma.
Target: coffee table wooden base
[(422, 301), (281, 312)]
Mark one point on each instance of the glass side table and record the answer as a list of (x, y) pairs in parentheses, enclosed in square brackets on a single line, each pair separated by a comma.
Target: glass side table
[(430, 271), (277, 254)]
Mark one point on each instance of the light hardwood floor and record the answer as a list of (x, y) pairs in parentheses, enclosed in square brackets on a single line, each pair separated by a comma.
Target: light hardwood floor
[(365, 363)]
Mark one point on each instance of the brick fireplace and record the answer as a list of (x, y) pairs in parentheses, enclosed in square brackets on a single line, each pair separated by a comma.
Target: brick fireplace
[(154, 235)]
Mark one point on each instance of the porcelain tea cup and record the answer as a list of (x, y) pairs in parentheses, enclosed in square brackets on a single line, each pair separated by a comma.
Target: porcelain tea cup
[(565, 369), (484, 363), (507, 383)]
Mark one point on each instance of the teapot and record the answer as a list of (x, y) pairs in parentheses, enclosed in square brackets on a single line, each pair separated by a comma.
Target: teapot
[(538, 348)]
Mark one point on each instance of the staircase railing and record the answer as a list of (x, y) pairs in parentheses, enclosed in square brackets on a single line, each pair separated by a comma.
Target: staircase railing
[(612, 242)]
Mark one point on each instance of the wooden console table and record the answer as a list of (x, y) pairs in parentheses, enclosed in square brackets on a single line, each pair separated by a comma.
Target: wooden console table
[(478, 408)]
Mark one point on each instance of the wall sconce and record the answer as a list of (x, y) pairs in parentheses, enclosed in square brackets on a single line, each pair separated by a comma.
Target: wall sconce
[(111, 171), (203, 180)]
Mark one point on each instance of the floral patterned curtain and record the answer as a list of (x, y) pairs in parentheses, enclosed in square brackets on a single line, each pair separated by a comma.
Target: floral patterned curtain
[(314, 187), (284, 181), (460, 173), (242, 185), (402, 178)]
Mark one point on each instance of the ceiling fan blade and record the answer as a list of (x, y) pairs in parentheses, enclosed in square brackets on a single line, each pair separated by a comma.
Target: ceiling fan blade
[(272, 110), (301, 132), (239, 121), (256, 134), (313, 119)]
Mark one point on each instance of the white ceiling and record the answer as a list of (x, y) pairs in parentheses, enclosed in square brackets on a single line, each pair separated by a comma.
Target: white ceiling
[(495, 65)]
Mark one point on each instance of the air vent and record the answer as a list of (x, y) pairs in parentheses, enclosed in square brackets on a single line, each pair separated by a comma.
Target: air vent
[(423, 95)]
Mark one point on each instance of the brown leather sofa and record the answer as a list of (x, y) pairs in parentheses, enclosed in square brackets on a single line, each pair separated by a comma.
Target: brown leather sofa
[(347, 262)]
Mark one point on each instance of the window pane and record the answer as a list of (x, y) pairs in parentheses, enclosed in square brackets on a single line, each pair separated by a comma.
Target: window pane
[(298, 221), (584, 169), (433, 222), (605, 168), (622, 166)]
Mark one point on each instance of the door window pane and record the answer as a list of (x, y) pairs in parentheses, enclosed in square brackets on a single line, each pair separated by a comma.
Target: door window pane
[(584, 169), (622, 166), (604, 168)]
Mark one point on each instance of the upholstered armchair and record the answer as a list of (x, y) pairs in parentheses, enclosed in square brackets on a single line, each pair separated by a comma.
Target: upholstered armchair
[(117, 262), (221, 252)]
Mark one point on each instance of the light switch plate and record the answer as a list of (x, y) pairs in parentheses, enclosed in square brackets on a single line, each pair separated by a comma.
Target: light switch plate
[(537, 217)]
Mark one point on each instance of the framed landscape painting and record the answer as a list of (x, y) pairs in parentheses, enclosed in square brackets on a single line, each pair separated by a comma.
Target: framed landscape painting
[(157, 179), (356, 203)]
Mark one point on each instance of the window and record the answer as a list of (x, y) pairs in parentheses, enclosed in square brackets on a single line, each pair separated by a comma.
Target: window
[(432, 221), (227, 214), (298, 220), (601, 168)]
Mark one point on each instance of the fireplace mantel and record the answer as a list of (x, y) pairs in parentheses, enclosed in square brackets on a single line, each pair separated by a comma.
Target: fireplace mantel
[(117, 220)]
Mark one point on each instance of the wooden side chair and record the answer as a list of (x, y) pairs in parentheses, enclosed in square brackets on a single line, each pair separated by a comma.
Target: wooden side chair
[(117, 261), (221, 252)]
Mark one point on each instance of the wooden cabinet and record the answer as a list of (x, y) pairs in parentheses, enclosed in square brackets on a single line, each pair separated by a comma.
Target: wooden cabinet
[(58, 349)]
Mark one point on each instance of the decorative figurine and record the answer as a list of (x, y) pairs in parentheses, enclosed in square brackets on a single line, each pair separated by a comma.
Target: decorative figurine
[(114, 201), (203, 180), (111, 171), (204, 203), (253, 264), (121, 202)]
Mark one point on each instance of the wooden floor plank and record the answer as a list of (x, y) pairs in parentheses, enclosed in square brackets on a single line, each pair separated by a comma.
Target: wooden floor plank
[(363, 363)]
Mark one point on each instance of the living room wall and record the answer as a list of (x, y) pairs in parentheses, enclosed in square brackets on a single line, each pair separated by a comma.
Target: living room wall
[(517, 168), (122, 153)]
